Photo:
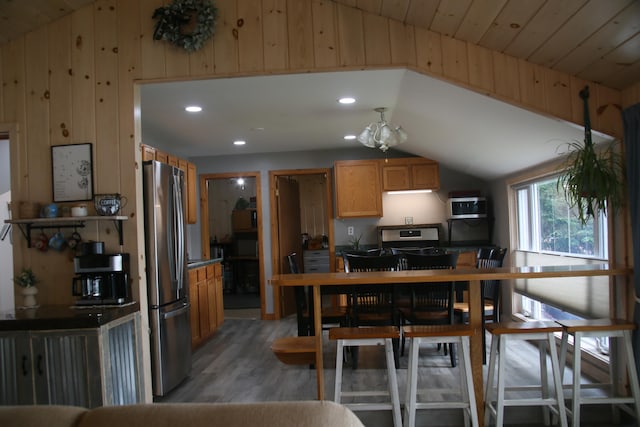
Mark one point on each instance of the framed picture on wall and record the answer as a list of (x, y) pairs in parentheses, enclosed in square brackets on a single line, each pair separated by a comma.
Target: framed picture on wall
[(72, 170)]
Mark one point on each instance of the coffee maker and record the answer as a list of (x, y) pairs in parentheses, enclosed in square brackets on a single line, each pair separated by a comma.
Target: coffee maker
[(101, 279)]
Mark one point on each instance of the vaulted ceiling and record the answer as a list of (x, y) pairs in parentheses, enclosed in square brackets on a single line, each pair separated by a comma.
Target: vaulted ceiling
[(596, 40)]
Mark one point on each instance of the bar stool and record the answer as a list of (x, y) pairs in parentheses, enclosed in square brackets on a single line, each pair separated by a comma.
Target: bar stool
[(612, 328), (437, 334), (369, 336), (543, 332)]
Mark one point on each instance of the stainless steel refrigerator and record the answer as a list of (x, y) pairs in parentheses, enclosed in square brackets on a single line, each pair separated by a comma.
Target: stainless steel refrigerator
[(167, 283)]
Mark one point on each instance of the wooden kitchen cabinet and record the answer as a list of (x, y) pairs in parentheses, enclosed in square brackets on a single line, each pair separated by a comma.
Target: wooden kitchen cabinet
[(192, 195), (218, 283), (358, 188), (196, 337), (207, 309), (410, 174), (148, 153), (190, 176)]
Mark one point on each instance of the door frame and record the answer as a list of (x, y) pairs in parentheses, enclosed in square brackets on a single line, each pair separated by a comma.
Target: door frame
[(275, 243), (204, 221)]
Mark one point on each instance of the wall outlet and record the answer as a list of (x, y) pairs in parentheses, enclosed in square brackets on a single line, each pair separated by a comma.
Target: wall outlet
[(408, 220), (350, 230)]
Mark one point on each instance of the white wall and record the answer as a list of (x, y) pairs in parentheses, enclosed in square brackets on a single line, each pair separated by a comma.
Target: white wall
[(6, 248)]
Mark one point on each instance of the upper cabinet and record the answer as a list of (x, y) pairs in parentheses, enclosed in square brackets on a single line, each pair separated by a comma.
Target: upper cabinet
[(360, 183), (413, 173), (189, 169), (358, 191)]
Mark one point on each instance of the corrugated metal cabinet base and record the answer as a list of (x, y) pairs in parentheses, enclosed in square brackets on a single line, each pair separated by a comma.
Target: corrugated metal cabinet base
[(80, 367)]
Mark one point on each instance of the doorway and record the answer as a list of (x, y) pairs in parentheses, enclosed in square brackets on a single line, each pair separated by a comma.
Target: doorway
[(314, 214), (231, 229)]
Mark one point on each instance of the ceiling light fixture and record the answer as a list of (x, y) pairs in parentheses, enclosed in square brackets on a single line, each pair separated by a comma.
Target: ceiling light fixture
[(239, 142), (381, 134), (346, 100), (349, 137), (193, 109)]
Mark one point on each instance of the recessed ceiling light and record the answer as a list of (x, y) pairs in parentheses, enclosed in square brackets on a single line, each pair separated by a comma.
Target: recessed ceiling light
[(193, 109), (346, 100), (349, 137), (239, 142)]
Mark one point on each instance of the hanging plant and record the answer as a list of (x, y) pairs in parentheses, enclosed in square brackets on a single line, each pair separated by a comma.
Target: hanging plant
[(185, 23), (592, 179)]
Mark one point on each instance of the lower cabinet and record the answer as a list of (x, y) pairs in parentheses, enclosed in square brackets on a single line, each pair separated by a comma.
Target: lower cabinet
[(79, 367), (207, 310)]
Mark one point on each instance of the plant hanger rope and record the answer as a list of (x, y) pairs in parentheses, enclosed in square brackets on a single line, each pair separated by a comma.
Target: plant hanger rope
[(584, 94), (173, 18)]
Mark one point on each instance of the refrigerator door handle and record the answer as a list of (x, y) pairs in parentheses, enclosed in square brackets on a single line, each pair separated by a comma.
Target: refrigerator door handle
[(179, 232), (177, 312)]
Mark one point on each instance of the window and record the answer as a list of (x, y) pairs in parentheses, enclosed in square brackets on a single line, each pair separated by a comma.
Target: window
[(549, 232), (547, 224)]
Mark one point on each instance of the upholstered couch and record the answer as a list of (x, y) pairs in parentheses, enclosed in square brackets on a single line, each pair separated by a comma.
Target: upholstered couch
[(267, 414)]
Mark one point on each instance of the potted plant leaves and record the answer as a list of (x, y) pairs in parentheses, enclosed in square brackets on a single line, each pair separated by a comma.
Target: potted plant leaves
[(593, 178), (27, 280)]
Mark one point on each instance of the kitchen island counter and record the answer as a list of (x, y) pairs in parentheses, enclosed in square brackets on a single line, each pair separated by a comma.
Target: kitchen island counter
[(48, 317)]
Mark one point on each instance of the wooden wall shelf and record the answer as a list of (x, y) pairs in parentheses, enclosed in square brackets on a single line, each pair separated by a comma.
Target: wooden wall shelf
[(26, 225)]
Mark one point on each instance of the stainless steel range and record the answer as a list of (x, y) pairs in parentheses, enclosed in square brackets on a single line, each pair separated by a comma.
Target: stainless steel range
[(409, 236)]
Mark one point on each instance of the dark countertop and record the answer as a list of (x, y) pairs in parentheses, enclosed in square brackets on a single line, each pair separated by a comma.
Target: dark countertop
[(202, 262), (48, 317)]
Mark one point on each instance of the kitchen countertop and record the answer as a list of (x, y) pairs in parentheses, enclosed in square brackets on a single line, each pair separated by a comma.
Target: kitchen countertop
[(49, 317), (202, 262)]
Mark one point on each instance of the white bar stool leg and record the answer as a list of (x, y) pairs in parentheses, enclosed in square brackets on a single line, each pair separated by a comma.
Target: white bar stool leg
[(488, 395), (393, 383), (412, 383), (577, 369), (557, 380), (468, 392), (337, 394), (502, 360), (633, 373)]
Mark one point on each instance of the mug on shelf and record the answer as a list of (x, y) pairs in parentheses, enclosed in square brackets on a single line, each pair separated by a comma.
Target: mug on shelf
[(57, 241), (79, 210), (49, 211)]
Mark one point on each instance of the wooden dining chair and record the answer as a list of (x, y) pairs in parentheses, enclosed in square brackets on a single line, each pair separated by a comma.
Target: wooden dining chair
[(304, 306), (373, 305), (490, 292), (431, 303)]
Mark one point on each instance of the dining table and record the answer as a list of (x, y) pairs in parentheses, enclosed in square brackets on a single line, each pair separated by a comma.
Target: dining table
[(473, 276)]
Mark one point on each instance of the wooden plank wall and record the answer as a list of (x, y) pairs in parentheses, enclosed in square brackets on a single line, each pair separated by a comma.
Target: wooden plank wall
[(73, 81)]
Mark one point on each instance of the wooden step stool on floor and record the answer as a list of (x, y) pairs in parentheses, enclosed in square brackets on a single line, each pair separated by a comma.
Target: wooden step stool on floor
[(543, 333), (600, 328), (440, 334), (295, 350), (368, 336)]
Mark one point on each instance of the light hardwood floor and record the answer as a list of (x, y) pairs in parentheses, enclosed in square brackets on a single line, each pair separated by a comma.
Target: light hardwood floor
[(237, 365)]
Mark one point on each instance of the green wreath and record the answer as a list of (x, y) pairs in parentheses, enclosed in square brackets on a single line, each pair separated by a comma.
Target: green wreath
[(173, 17)]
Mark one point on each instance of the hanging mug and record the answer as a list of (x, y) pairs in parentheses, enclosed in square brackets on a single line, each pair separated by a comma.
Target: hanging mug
[(74, 240), (57, 241), (41, 242)]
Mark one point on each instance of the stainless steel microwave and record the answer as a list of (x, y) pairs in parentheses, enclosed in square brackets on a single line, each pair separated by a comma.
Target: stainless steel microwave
[(467, 207)]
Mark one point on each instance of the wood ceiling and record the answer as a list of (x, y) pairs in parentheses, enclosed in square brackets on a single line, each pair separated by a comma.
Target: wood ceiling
[(596, 40)]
